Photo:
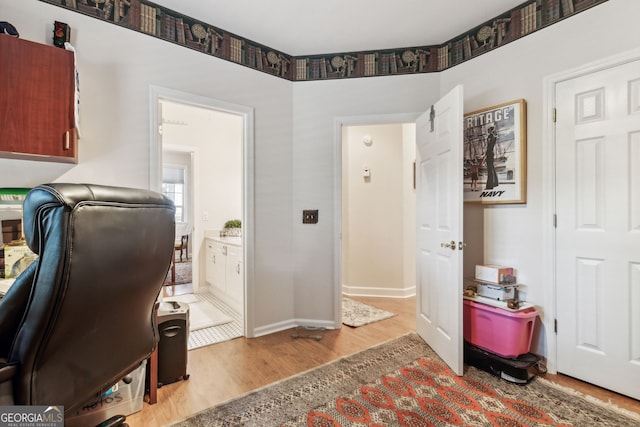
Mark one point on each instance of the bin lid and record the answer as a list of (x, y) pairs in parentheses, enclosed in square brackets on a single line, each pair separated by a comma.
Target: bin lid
[(171, 307), (491, 304)]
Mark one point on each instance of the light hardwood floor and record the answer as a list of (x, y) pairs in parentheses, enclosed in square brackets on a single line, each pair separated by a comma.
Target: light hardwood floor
[(227, 370)]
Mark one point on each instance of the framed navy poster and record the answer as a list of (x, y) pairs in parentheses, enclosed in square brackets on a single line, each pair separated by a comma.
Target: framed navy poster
[(495, 154)]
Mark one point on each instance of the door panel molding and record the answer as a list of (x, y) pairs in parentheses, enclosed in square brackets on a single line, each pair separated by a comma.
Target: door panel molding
[(439, 221)]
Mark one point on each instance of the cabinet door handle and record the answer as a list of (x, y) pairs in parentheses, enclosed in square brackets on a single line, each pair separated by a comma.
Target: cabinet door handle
[(67, 140), (238, 268)]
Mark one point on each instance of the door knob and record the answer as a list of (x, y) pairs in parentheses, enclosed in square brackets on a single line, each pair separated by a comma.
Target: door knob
[(461, 245), (451, 245)]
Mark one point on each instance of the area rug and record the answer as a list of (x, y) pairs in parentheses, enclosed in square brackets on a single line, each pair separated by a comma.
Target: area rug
[(202, 314), (355, 313), (183, 274), (404, 383)]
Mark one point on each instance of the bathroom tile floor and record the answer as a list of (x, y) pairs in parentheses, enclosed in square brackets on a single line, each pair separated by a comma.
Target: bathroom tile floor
[(214, 334)]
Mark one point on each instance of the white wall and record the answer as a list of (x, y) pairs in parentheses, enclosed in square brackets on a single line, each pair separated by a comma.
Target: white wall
[(117, 67), (216, 138), (317, 108), (295, 136), (513, 234)]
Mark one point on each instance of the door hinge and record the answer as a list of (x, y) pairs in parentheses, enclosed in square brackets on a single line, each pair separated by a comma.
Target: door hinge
[(555, 221), (555, 114), (432, 118), (555, 326)]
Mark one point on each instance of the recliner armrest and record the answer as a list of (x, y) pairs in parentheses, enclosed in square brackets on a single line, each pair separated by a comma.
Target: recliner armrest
[(7, 371), (13, 307)]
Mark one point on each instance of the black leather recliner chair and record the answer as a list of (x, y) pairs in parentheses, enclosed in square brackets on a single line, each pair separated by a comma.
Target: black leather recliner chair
[(82, 316)]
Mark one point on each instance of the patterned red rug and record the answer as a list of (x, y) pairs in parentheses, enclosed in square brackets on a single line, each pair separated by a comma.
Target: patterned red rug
[(404, 383), (427, 393)]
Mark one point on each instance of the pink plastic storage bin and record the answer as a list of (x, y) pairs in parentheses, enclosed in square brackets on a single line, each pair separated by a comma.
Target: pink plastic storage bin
[(505, 333)]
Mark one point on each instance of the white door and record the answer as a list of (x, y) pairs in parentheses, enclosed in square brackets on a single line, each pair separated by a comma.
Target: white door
[(598, 228), (439, 204)]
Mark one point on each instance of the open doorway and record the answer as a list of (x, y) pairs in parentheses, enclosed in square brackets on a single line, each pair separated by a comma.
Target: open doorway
[(378, 210), (441, 200), (199, 159)]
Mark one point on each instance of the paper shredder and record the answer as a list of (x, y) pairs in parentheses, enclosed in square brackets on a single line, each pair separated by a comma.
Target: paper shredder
[(173, 326)]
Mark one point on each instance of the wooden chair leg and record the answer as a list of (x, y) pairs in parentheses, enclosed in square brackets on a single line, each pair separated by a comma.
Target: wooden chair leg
[(173, 269), (153, 377)]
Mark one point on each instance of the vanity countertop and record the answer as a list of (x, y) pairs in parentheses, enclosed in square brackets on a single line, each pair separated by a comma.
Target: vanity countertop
[(227, 240)]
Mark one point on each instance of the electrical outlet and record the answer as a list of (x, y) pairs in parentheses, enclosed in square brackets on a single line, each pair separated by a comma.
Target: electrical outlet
[(310, 216)]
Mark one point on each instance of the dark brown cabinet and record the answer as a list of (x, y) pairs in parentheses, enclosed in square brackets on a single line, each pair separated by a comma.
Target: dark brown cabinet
[(37, 114)]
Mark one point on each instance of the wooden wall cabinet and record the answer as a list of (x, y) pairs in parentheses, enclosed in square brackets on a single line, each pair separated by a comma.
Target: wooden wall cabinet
[(37, 114)]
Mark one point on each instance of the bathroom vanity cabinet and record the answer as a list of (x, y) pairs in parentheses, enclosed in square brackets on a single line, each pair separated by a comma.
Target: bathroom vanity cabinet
[(224, 270)]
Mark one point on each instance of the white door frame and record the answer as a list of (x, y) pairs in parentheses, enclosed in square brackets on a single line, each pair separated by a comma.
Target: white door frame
[(339, 123), (156, 94), (549, 186)]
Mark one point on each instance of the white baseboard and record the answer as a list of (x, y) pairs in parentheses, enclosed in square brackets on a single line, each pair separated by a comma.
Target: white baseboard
[(328, 324), (371, 291), (293, 323)]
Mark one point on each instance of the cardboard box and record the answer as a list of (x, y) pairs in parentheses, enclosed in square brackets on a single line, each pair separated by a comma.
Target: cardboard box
[(16, 259), (11, 230), (493, 273)]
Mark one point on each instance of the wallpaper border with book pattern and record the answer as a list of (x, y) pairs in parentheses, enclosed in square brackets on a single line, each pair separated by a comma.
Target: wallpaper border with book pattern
[(157, 21)]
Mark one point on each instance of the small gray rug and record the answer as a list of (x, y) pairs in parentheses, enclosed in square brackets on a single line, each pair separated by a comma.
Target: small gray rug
[(355, 313), (183, 274)]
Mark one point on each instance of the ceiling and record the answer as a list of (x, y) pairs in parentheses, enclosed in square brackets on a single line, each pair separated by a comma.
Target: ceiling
[(303, 27)]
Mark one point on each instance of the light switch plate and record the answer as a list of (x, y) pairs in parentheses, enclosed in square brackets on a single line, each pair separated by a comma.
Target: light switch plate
[(310, 216)]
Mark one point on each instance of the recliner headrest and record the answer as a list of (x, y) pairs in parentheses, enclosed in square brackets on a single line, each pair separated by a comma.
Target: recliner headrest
[(68, 196)]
